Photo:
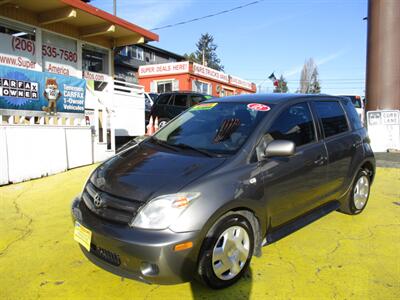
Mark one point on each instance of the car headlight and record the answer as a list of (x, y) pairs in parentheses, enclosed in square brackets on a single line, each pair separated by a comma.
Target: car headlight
[(160, 212)]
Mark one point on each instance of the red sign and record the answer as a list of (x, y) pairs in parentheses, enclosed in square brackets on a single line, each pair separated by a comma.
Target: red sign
[(258, 107)]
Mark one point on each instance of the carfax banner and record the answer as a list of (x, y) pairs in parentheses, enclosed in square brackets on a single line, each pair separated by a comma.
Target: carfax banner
[(41, 91)]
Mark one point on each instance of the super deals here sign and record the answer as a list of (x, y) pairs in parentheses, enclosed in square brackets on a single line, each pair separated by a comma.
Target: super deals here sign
[(41, 91)]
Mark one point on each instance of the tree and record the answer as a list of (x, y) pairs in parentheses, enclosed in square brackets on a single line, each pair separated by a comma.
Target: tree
[(280, 85), (206, 53), (309, 78)]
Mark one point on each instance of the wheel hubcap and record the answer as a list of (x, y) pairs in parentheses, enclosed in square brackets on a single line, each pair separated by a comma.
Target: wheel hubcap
[(162, 124), (361, 191), (230, 252)]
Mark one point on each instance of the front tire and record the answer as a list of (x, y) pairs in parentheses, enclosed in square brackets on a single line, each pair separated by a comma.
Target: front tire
[(359, 194), (163, 122), (226, 252)]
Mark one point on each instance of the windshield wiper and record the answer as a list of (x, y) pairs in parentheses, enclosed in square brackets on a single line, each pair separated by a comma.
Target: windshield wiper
[(202, 151), (164, 144)]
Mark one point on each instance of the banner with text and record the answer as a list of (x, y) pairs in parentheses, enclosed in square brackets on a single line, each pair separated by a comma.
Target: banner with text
[(41, 91)]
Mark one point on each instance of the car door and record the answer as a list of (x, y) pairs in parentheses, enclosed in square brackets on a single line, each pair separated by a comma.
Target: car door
[(340, 143), (293, 185), (159, 108), (179, 105)]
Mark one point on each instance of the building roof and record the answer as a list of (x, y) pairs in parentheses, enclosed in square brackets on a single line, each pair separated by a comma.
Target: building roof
[(84, 20), (166, 52)]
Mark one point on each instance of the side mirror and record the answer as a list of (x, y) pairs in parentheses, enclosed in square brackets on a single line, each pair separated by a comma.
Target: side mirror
[(280, 148)]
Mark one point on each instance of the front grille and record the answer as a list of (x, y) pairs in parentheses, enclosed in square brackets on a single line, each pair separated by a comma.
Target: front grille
[(109, 207), (105, 255)]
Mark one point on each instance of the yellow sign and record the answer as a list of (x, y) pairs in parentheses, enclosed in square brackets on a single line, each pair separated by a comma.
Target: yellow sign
[(82, 235), (204, 106)]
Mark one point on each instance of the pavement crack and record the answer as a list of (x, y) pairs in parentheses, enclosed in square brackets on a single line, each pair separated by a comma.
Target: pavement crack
[(151, 291), (25, 231)]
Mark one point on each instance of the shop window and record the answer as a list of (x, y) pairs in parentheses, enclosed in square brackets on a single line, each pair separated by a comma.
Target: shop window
[(164, 87), (95, 59), (201, 87), (17, 30), (17, 40), (60, 51)]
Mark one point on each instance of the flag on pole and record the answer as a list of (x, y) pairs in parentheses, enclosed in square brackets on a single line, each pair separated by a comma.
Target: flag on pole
[(272, 77)]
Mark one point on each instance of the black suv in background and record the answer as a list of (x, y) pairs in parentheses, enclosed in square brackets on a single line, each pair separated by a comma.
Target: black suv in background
[(169, 105)]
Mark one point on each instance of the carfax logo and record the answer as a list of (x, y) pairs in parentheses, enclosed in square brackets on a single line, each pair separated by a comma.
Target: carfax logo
[(19, 89)]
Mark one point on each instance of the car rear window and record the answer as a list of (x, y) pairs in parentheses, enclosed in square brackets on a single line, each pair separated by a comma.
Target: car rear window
[(332, 117)]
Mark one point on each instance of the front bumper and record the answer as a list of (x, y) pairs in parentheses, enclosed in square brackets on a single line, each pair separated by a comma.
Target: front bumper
[(144, 255)]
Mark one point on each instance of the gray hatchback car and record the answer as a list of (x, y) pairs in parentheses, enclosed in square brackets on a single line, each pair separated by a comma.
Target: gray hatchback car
[(201, 196)]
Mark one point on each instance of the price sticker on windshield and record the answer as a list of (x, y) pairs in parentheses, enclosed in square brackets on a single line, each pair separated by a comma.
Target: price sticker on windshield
[(204, 106), (258, 107)]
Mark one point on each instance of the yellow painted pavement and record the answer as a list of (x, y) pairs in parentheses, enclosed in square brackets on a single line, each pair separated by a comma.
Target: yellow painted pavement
[(337, 257)]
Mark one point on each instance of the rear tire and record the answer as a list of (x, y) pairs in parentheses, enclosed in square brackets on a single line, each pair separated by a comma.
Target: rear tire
[(358, 196), (226, 252)]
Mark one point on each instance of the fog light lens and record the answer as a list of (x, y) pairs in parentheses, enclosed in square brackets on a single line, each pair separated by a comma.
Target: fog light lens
[(148, 269)]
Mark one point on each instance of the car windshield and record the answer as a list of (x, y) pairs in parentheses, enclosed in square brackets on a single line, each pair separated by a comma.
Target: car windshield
[(219, 128)]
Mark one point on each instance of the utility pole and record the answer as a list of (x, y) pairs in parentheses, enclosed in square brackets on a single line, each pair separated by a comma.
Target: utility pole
[(383, 48), (115, 7), (203, 56)]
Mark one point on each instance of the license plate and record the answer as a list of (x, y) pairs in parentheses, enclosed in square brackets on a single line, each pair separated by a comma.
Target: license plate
[(82, 235)]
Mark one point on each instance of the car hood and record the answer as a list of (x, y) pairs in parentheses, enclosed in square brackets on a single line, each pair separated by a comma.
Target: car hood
[(147, 171)]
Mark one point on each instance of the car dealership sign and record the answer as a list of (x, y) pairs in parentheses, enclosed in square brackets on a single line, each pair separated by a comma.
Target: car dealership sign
[(164, 69), (210, 73), (41, 91)]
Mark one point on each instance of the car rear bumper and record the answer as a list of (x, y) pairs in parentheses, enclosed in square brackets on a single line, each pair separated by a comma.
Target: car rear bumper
[(144, 255)]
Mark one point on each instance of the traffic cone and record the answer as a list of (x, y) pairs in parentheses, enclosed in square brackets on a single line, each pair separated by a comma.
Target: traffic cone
[(150, 127), (156, 127)]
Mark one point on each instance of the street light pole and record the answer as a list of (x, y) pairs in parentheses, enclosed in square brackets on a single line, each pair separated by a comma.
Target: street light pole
[(115, 7)]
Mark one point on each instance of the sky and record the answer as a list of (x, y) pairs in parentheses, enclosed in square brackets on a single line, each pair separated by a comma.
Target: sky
[(268, 36)]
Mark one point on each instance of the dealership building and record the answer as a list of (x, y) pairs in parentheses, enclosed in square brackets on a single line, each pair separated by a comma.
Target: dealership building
[(190, 76), (58, 105)]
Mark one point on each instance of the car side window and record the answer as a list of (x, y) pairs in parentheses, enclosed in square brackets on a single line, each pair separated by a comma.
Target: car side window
[(195, 99), (332, 116), (294, 124), (352, 114), (163, 99), (180, 100)]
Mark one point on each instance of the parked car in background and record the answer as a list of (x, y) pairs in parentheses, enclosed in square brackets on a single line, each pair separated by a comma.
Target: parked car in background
[(169, 105), (149, 99), (358, 104), (201, 196)]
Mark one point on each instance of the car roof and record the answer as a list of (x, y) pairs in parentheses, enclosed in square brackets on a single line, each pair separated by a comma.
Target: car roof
[(275, 98)]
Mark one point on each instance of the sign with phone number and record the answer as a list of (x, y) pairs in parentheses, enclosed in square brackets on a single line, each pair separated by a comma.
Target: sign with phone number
[(24, 45), (62, 54)]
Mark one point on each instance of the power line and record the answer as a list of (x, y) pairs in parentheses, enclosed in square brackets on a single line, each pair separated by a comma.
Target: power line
[(208, 16)]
